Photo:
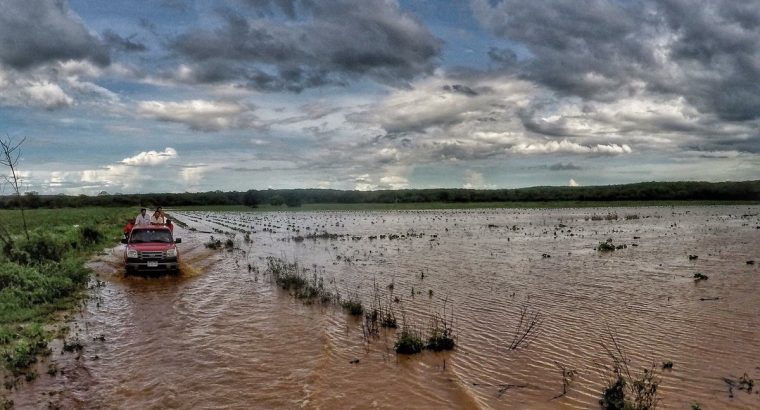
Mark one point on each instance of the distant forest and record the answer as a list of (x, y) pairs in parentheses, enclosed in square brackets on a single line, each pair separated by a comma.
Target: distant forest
[(645, 191)]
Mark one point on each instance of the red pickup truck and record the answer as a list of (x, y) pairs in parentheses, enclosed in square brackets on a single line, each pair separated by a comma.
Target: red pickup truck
[(151, 248)]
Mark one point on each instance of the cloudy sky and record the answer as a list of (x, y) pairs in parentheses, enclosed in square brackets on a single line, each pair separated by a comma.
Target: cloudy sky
[(174, 96)]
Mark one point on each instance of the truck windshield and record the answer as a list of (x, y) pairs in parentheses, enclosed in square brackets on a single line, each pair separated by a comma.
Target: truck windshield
[(150, 235)]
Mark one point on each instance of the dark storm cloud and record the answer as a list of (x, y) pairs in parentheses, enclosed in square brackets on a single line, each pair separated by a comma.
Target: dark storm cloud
[(34, 32), (319, 43), (532, 123), (564, 167), (287, 7), (749, 144), (502, 56), (460, 89), (706, 51), (127, 44)]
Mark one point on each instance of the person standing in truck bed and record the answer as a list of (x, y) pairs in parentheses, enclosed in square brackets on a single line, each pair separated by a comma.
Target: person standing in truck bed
[(158, 217), (142, 218)]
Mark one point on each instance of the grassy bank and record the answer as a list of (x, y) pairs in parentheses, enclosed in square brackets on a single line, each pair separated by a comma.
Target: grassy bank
[(45, 275), (457, 205)]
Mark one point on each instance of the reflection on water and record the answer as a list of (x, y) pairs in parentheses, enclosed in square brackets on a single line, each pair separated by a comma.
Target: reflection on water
[(221, 336)]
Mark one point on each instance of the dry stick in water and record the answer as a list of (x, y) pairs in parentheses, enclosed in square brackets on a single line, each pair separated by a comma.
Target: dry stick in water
[(642, 390), (527, 328), (619, 359), (567, 378)]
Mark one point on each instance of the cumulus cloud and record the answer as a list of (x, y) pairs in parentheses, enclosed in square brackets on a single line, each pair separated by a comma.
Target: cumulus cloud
[(363, 183), (473, 180), (429, 104), (499, 116), (192, 175), (54, 86), (367, 182), (151, 158), (138, 173), (129, 174), (569, 147), (388, 155), (34, 32), (200, 115), (572, 183), (308, 45), (21, 92), (393, 182)]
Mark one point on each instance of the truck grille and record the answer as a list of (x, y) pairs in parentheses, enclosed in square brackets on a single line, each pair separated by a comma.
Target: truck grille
[(152, 255)]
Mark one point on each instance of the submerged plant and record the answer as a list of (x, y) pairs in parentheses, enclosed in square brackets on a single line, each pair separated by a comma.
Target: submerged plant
[(745, 383), (700, 276), (441, 338), (371, 324), (614, 395), (213, 243), (626, 391), (441, 332), (354, 306), (388, 320), (289, 276), (408, 342)]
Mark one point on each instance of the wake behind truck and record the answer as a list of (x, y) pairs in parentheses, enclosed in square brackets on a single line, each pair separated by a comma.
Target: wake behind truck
[(151, 248)]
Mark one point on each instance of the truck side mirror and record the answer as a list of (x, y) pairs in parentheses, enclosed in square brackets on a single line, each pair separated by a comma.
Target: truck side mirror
[(123, 240), (178, 240)]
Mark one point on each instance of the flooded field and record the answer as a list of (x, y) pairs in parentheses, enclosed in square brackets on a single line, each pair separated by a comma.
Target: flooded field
[(223, 335)]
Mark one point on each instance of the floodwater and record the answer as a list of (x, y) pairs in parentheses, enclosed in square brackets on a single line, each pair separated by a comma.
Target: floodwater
[(221, 335)]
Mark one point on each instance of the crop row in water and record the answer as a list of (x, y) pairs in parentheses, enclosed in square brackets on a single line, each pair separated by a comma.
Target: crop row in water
[(439, 336)]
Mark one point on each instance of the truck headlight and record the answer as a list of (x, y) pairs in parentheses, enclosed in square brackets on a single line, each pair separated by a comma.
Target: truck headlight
[(131, 253), (171, 253)]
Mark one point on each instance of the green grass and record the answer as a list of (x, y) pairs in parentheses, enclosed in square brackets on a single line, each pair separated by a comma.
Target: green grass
[(36, 218), (456, 205), (45, 274)]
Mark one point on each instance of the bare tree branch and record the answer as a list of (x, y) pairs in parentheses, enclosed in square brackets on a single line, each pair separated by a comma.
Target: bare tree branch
[(527, 328), (10, 153)]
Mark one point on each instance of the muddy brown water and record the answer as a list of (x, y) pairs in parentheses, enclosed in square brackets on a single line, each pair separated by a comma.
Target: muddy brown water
[(221, 336)]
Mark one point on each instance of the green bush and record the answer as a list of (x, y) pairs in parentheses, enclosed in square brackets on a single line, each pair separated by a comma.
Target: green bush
[(38, 248), (30, 343), (91, 235)]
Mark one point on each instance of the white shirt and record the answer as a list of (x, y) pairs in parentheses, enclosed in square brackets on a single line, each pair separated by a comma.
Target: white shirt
[(142, 219), (159, 220)]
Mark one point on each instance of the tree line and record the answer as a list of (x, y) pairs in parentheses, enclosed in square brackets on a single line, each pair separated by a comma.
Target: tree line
[(645, 191)]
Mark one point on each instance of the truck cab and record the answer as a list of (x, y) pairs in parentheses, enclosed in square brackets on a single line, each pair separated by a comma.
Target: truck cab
[(151, 248)]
